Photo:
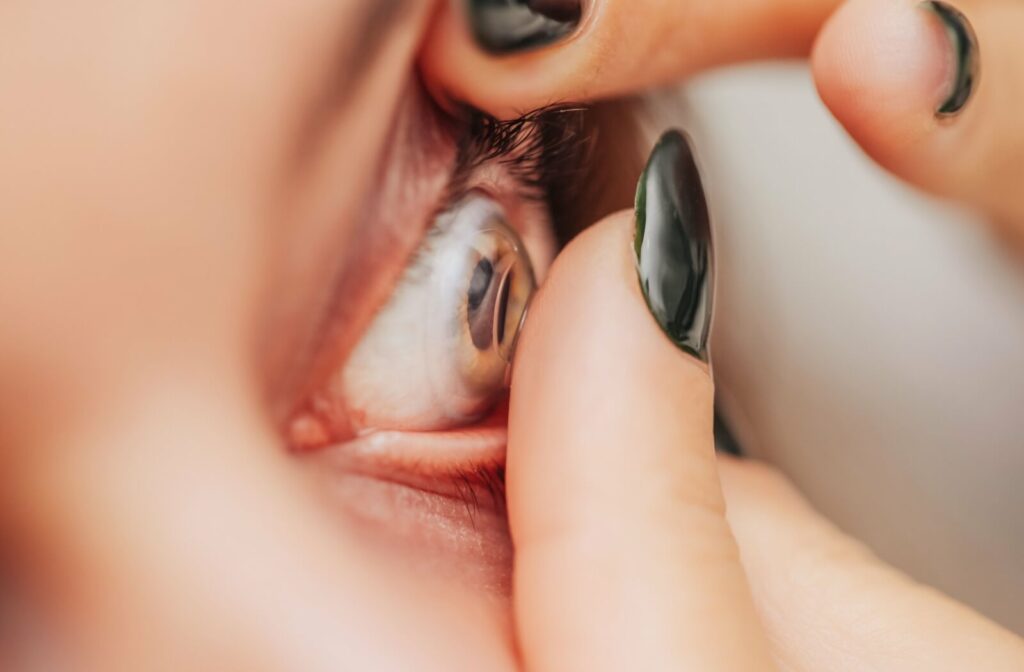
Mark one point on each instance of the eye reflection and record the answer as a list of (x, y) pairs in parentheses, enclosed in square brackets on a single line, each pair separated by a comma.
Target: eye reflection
[(438, 353)]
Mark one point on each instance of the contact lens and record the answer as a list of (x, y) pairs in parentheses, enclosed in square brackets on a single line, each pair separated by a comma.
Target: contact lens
[(498, 291), (439, 353)]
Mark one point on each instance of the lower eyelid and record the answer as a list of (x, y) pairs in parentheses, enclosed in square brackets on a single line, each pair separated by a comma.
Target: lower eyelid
[(429, 461), (422, 459)]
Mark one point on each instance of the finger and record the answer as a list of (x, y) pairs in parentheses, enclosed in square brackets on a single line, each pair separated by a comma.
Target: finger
[(602, 48), (928, 101), (623, 556), (828, 604)]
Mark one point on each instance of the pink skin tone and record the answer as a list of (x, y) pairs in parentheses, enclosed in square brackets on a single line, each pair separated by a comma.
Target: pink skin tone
[(150, 283), (177, 202)]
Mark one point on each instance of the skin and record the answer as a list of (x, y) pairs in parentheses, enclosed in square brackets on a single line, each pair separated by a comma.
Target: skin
[(863, 53), (149, 513), (184, 159), (871, 617)]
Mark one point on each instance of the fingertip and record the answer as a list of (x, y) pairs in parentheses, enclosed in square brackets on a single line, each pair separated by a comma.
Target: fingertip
[(505, 85), (594, 374), (624, 559), (883, 69), (507, 57)]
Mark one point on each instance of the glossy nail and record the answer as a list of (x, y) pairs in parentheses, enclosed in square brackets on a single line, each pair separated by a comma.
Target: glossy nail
[(507, 26), (672, 242), (965, 52)]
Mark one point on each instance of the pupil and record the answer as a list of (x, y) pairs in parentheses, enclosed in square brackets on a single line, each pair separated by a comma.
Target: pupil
[(479, 283)]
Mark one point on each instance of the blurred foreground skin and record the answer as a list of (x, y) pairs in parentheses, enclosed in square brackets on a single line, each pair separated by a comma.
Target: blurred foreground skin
[(170, 175), (167, 170)]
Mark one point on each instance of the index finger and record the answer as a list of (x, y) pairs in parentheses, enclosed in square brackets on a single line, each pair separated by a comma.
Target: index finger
[(506, 58), (624, 559)]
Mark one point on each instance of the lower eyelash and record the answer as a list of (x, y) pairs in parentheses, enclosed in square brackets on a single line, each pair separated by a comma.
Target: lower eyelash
[(487, 480)]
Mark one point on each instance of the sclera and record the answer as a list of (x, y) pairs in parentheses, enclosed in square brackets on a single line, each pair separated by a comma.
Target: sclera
[(417, 367)]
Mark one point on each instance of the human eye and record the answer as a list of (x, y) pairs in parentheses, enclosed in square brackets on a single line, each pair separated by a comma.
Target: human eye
[(438, 354), (404, 414)]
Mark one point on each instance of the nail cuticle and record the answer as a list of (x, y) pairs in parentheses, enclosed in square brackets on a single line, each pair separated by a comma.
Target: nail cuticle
[(673, 245), (512, 26), (964, 43)]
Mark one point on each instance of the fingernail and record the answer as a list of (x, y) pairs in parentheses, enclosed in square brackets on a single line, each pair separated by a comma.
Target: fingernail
[(507, 26), (964, 47), (672, 242)]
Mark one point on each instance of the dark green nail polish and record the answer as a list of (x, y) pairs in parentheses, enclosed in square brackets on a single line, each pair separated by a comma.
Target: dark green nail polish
[(674, 254), (506, 26), (965, 47)]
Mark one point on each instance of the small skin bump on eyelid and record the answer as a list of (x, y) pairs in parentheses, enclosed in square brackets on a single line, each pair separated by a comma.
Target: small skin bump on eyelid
[(307, 432)]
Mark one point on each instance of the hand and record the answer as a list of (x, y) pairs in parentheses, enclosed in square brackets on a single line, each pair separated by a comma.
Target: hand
[(616, 47), (637, 549), (930, 90), (823, 600), (205, 188)]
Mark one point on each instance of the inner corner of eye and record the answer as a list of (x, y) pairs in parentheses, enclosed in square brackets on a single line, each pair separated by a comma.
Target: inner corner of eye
[(436, 355)]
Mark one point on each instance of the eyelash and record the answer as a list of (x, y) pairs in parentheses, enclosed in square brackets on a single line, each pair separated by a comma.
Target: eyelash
[(468, 484), (541, 150)]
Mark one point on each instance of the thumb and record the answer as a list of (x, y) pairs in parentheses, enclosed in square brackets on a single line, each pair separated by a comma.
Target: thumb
[(624, 559), (932, 92)]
